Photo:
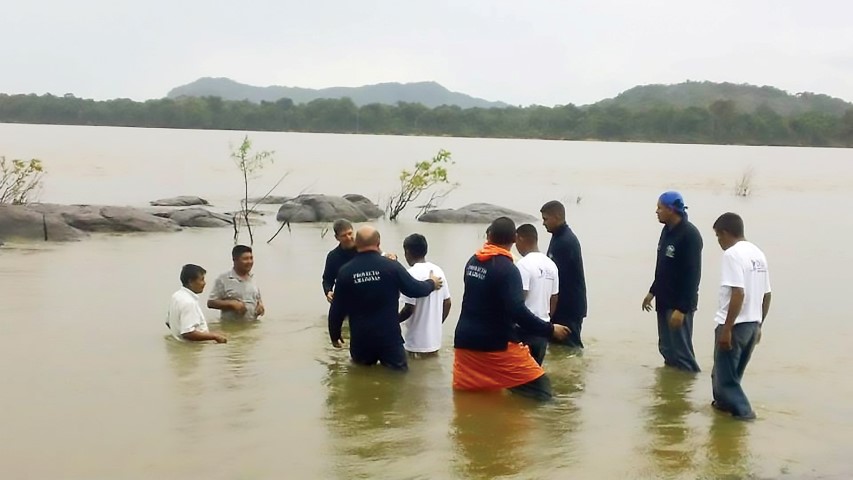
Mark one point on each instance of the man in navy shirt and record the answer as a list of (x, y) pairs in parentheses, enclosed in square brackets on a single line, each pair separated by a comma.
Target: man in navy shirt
[(367, 290), (487, 352), (565, 251), (338, 256), (676, 284)]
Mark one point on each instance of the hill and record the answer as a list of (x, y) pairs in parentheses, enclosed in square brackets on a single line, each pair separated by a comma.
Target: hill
[(430, 94), (748, 98)]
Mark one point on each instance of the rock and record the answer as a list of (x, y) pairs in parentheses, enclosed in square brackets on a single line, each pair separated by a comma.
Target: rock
[(181, 201), (19, 222), (197, 217), (270, 200), (475, 213), (370, 209), (106, 219), (320, 208)]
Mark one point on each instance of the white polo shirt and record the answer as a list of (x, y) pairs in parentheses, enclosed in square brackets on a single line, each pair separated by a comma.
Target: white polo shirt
[(423, 329), (540, 278), (185, 314), (744, 266)]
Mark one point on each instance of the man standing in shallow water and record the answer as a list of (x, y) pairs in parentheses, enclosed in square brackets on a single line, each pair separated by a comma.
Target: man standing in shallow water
[(367, 290), (338, 256), (744, 304), (487, 352), (423, 316), (676, 285), (234, 292), (565, 251), (185, 318)]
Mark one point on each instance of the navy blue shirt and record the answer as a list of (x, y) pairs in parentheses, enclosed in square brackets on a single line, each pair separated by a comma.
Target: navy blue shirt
[(492, 305), (336, 259), (368, 290), (678, 268), (565, 251)]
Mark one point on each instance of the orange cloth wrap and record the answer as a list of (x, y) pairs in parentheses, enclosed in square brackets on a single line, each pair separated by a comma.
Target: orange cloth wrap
[(473, 370)]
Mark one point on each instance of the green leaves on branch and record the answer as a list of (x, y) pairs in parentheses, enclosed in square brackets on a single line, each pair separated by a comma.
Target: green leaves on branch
[(19, 180), (249, 164), (426, 175)]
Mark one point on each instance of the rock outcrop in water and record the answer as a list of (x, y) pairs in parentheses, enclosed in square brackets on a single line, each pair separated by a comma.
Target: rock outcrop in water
[(475, 213), (328, 208), (270, 200), (181, 201), (62, 223)]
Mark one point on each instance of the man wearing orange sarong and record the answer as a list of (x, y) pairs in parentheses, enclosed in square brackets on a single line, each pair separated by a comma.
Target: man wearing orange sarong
[(488, 355)]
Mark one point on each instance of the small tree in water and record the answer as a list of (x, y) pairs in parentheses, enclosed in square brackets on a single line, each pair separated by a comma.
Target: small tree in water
[(19, 180), (249, 164), (426, 175)]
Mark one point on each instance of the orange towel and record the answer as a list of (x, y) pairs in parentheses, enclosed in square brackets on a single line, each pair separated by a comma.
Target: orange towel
[(490, 250), (473, 370)]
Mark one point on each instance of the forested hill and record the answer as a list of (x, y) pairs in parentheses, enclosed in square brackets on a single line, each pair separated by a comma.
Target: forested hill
[(748, 98), (642, 114), (429, 94)]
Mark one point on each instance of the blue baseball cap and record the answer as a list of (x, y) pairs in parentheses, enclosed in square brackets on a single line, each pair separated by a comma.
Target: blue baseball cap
[(674, 201)]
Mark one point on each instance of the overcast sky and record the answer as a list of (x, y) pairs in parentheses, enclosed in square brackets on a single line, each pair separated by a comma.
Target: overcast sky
[(521, 52)]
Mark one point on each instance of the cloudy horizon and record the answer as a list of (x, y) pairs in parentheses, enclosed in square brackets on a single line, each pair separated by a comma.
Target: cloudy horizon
[(539, 52)]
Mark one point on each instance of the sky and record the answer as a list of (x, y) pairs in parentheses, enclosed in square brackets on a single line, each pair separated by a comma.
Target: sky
[(520, 52)]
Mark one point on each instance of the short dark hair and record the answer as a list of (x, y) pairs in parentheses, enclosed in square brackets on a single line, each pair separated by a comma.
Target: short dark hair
[(731, 223), (239, 250), (502, 231), (554, 208), (190, 272), (341, 225), (528, 231), (416, 244)]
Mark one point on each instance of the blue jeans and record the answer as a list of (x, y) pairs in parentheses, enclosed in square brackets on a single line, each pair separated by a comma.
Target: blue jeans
[(676, 345), (729, 366)]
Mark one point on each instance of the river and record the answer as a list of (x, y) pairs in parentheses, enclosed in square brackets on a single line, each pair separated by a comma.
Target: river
[(93, 387)]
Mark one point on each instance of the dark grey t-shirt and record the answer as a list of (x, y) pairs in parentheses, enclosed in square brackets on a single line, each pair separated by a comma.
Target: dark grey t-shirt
[(229, 286)]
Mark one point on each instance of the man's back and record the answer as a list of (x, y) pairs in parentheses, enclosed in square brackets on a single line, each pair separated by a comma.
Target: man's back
[(367, 289), (540, 278), (491, 306), (423, 328)]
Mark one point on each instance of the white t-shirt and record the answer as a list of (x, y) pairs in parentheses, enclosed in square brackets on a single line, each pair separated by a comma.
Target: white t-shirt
[(744, 266), (423, 329), (540, 279), (185, 313)]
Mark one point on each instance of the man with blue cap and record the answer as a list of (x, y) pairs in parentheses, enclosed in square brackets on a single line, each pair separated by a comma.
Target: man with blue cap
[(676, 285)]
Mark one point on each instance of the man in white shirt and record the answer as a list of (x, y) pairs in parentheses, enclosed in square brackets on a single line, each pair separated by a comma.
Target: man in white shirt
[(541, 283), (744, 303), (186, 319), (424, 316)]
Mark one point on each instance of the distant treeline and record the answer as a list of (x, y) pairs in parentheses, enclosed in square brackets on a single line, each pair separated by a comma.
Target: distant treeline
[(721, 123)]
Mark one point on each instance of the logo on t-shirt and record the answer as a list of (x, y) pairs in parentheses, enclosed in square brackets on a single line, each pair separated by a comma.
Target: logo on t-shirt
[(369, 276), (758, 266), (670, 251)]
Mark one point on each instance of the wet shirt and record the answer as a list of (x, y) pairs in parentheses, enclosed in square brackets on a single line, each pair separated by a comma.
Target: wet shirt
[(367, 290), (337, 258), (565, 251), (185, 314), (678, 268), (229, 286), (492, 305)]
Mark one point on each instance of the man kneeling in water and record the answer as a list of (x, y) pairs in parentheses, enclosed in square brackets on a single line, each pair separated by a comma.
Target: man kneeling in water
[(488, 355)]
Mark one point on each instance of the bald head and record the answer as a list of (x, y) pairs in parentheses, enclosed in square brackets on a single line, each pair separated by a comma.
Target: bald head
[(367, 238)]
